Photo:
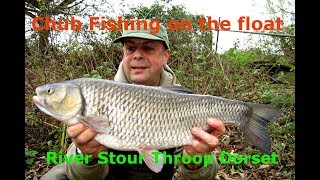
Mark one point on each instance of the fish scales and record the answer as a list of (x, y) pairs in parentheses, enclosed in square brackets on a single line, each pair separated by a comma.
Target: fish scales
[(158, 118)]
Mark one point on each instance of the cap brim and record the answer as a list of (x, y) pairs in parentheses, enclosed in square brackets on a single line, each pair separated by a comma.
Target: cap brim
[(138, 35)]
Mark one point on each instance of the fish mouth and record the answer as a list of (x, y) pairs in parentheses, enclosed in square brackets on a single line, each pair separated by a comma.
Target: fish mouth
[(41, 105), (38, 101)]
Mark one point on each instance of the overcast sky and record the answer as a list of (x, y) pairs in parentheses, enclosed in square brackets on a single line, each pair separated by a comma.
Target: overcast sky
[(229, 10)]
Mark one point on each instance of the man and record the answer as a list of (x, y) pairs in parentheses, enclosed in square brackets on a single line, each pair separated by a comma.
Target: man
[(145, 57)]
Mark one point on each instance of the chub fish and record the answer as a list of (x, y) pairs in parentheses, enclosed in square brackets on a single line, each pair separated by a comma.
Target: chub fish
[(131, 117)]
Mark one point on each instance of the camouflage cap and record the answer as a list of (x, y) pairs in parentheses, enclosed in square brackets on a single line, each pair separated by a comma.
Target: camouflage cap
[(141, 32)]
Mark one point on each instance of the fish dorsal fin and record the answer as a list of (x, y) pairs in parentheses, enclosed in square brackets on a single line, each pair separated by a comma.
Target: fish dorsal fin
[(179, 89)]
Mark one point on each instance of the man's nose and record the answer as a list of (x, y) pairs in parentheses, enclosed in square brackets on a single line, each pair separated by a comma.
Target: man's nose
[(138, 54)]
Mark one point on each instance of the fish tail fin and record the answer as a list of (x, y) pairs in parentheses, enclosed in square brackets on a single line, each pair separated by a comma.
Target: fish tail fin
[(256, 128)]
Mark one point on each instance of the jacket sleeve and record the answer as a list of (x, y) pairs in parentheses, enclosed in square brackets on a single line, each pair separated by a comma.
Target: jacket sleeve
[(83, 171), (208, 172)]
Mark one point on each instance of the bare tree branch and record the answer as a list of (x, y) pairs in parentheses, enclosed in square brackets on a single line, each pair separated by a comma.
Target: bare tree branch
[(29, 11), (65, 3), (283, 10), (30, 14), (64, 8), (34, 3)]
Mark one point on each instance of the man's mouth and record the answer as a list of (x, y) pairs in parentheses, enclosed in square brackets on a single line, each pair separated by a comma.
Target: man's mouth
[(138, 67)]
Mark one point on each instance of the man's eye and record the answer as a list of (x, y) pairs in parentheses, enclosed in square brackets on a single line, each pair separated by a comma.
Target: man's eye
[(148, 49), (131, 48)]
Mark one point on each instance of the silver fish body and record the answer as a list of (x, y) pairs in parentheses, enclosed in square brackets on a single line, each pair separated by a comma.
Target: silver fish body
[(127, 116), (153, 116)]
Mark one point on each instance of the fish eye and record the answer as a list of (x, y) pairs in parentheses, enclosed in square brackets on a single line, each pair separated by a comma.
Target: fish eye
[(50, 91)]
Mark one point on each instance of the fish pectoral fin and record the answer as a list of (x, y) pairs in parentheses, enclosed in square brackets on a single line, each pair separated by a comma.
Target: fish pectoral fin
[(153, 158), (100, 124)]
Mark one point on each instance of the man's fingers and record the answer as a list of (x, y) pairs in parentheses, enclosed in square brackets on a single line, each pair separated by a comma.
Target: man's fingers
[(201, 147), (94, 151), (207, 138), (218, 127), (189, 150), (93, 144), (86, 136), (75, 130), (93, 147)]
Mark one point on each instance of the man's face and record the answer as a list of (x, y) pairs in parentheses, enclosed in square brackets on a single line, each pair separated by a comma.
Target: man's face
[(143, 60)]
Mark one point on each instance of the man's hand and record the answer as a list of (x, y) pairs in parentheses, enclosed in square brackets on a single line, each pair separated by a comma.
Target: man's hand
[(205, 143), (83, 136)]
